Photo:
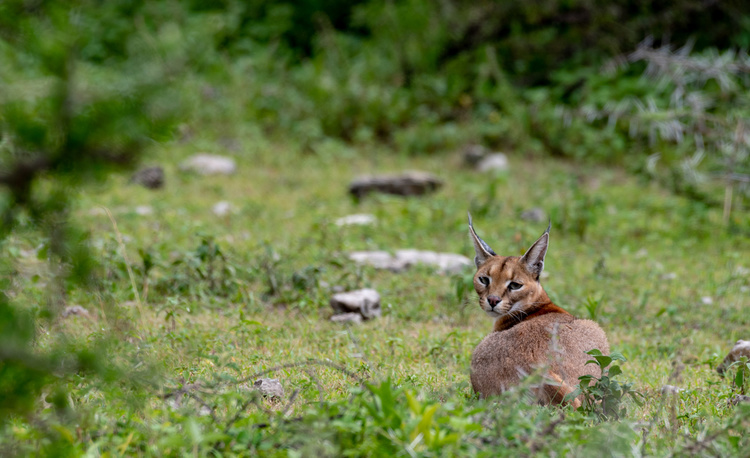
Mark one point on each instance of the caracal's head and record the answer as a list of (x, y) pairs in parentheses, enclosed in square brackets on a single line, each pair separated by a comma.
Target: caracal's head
[(508, 285)]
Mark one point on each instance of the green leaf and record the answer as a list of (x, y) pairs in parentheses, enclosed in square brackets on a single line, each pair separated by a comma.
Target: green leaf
[(617, 356), (424, 424), (573, 394), (615, 371), (64, 432), (734, 441), (414, 405), (603, 361), (739, 379)]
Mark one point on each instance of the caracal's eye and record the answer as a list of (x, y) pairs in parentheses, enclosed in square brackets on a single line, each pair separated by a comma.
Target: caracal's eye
[(514, 286), (484, 280)]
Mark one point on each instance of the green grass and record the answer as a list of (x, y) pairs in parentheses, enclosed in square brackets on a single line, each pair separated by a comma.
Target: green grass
[(647, 256)]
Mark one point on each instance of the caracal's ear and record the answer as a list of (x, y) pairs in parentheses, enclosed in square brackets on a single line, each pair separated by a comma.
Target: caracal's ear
[(533, 260), (483, 251)]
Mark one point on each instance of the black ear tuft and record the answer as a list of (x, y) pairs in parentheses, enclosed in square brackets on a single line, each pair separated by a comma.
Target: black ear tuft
[(482, 250)]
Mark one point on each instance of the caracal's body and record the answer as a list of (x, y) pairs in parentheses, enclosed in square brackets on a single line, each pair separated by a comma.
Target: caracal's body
[(530, 333)]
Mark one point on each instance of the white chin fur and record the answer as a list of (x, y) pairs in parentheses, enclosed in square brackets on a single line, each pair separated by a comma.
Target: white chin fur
[(492, 313)]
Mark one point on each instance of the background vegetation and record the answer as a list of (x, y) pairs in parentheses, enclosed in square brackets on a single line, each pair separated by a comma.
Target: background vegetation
[(627, 123)]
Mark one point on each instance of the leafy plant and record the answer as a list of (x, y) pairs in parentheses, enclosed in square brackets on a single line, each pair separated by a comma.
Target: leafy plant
[(198, 272), (592, 306), (741, 377), (603, 396)]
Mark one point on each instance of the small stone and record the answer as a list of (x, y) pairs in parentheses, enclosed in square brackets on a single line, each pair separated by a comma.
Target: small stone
[(473, 154), (43, 400), (740, 349), (444, 262), (356, 220), (269, 388), (74, 310), (365, 302), (144, 210), (535, 215), (32, 253), (403, 259), (353, 318), (670, 389), (376, 259), (209, 164), (413, 183), (495, 162), (149, 177), (174, 402), (669, 276), (642, 253), (707, 300), (221, 208)]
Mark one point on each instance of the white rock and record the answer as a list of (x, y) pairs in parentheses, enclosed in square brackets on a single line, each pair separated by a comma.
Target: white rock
[(403, 259), (74, 310), (493, 162), (366, 302), (444, 262), (174, 402), (353, 318), (669, 276), (376, 259), (473, 154), (210, 164), (359, 219), (269, 388), (707, 300), (670, 389), (31, 253), (221, 208), (144, 210)]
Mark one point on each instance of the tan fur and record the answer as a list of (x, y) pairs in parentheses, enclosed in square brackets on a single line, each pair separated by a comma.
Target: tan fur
[(530, 332)]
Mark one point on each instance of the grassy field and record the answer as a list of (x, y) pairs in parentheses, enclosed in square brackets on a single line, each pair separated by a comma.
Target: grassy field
[(223, 298)]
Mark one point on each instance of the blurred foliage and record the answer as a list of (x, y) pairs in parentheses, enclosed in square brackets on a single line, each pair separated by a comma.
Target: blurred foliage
[(88, 85), (81, 96)]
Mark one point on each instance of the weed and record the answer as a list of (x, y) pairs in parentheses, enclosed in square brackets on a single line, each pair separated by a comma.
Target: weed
[(592, 306), (603, 399), (741, 377)]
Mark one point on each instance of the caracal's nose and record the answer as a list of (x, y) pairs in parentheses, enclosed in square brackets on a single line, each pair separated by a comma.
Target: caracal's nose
[(493, 301)]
